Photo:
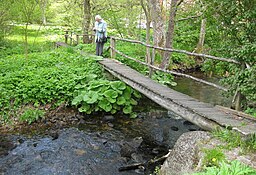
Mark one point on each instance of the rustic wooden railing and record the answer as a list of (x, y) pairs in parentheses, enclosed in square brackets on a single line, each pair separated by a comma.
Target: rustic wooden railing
[(75, 39)]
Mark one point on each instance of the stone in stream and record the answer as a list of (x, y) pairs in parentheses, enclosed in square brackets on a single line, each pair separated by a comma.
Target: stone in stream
[(72, 152), (130, 147)]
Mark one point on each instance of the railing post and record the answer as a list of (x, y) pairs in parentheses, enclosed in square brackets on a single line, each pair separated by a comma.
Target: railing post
[(66, 36), (77, 39), (71, 39), (113, 46), (237, 98), (152, 62)]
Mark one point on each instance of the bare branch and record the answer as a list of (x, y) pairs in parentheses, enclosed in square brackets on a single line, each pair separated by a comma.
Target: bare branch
[(190, 17)]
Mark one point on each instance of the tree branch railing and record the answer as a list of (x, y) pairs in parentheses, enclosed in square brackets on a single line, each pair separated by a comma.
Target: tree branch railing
[(180, 51), (151, 66), (75, 40), (170, 72)]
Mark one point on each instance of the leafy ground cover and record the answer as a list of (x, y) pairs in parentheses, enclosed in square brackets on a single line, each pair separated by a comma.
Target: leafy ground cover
[(49, 78)]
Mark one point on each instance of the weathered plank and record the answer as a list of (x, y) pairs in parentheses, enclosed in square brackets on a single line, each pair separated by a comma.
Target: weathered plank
[(202, 114)]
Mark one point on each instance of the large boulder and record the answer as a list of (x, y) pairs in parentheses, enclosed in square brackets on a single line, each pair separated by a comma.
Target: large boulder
[(183, 156), (188, 153)]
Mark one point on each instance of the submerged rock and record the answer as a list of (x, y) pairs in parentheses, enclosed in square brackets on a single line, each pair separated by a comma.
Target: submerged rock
[(73, 152)]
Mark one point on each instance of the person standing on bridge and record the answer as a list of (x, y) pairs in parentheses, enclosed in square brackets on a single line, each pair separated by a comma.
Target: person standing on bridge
[(100, 29)]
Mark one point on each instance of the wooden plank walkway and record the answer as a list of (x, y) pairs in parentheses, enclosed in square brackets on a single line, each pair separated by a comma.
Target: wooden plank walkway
[(202, 114)]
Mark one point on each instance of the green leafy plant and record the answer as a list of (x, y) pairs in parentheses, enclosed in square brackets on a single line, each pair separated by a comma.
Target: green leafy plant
[(213, 157), (163, 78), (31, 115), (234, 139), (107, 96), (232, 168), (43, 78)]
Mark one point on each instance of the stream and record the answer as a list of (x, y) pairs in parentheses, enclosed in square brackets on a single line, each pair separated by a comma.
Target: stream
[(100, 144), (202, 92)]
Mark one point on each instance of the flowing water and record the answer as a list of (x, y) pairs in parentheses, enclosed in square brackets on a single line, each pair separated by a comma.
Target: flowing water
[(101, 144), (202, 92)]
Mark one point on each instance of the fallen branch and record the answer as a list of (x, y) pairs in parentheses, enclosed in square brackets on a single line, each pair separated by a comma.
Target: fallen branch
[(145, 164)]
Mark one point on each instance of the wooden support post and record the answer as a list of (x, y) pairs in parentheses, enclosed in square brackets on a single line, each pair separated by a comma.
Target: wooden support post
[(113, 46), (237, 99), (77, 39), (66, 36), (71, 39), (152, 62)]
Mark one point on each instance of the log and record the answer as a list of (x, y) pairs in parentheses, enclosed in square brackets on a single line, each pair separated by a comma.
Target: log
[(138, 165)]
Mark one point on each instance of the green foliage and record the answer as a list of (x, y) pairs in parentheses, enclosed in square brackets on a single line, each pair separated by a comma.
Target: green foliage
[(163, 78), (213, 157), (234, 139), (31, 115), (104, 95), (232, 168), (251, 111), (233, 28), (43, 78)]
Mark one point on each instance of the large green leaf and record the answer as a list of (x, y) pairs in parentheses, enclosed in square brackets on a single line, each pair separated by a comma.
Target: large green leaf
[(127, 94), (118, 85), (96, 84), (105, 105), (127, 109), (84, 108), (91, 77), (121, 100), (136, 94), (91, 97), (77, 100), (133, 102), (111, 100), (111, 94)]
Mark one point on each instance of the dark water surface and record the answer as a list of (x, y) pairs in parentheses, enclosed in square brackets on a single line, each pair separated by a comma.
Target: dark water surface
[(95, 145)]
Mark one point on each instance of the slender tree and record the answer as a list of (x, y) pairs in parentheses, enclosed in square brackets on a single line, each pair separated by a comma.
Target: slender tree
[(87, 20), (170, 34), (146, 9)]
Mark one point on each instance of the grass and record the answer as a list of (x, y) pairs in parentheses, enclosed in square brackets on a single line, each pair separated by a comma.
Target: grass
[(234, 140)]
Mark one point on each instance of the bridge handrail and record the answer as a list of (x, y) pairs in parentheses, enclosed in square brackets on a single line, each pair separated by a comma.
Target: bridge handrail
[(179, 51), (154, 47), (170, 72)]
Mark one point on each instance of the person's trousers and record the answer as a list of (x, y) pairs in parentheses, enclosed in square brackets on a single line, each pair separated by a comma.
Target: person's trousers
[(99, 48)]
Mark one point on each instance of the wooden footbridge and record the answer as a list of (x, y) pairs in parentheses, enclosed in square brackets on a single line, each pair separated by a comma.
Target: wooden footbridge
[(204, 115)]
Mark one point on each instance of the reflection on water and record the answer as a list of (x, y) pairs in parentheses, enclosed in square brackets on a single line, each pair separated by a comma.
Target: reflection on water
[(202, 92)]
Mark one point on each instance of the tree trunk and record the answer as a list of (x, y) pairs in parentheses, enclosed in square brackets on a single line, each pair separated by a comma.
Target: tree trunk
[(87, 20), (158, 23), (43, 4), (200, 43), (146, 10), (169, 35)]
